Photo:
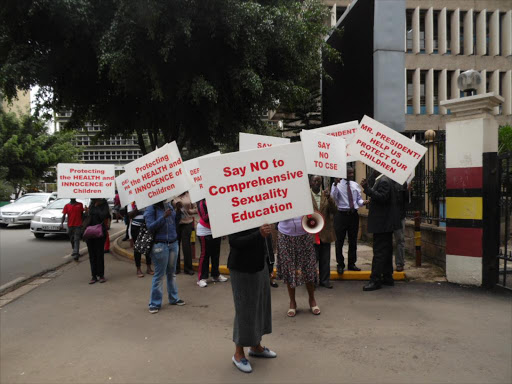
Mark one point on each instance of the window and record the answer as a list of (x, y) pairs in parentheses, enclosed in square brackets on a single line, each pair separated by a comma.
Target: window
[(410, 92), (408, 28)]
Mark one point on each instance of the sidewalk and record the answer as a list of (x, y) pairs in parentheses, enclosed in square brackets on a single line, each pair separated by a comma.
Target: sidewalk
[(427, 273), (67, 331)]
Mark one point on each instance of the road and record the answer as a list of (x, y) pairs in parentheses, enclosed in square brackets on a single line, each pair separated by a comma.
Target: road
[(22, 255), (67, 331)]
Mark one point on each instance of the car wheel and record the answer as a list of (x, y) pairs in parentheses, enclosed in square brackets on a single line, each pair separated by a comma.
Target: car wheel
[(3, 225), (39, 235)]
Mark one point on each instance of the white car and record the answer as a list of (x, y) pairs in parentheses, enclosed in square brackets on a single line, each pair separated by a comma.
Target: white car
[(23, 210), (48, 220)]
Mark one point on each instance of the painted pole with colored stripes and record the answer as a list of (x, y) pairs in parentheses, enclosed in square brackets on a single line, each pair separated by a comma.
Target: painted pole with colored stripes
[(471, 137)]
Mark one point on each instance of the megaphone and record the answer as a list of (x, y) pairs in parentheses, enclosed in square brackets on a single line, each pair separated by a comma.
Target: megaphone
[(313, 223)]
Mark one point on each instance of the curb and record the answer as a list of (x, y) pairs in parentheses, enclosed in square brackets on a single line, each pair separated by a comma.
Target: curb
[(223, 269), (21, 281)]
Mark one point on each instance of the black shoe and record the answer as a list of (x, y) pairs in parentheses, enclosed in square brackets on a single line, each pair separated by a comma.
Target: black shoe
[(340, 270), (400, 268), (189, 272), (328, 286), (273, 284), (371, 286), (388, 281), (76, 257), (353, 268)]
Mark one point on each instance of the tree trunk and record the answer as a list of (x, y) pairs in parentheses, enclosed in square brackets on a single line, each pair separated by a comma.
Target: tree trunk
[(140, 139)]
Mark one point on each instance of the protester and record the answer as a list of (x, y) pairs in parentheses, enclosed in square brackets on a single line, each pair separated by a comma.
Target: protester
[(97, 213), (136, 221), (210, 248), (185, 228), (251, 294), (383, 219), (296, 262), (108, 221), (74, 211), (161, 221), (402, 194), (117, 207), (324, 204), (347, 195)]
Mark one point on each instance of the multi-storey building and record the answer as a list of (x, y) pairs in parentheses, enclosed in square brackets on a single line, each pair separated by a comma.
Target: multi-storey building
[(116, 150), (403, 57)]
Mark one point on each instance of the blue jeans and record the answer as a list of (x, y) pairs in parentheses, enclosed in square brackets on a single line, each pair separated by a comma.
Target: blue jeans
[(164, 258)]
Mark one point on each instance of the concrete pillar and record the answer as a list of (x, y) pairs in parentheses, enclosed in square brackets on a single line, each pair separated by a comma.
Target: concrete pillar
[(333, 16), (494, 34), (507, 93), (429, 91), (441, 32), (481, 33), (455, 31), (416, 92), (429, 31), (406, 90), (442, 87), (494, 86), (416, 30), (482, 88), (455, 93), (472, 224), (506, 34), (468, 32)]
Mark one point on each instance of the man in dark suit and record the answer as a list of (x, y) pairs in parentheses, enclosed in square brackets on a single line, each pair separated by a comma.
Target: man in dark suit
[(383, 219)]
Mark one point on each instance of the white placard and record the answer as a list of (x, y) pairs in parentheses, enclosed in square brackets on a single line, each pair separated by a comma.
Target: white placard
[(325, 155), (248, 141), (123, 188), (386, 150), (197, 191), (248, 189), (82, 181), (343, 130), (158, 176)]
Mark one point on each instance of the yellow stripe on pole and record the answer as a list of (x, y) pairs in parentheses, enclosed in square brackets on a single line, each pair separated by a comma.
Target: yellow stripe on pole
[(464, 208), (417, 239)]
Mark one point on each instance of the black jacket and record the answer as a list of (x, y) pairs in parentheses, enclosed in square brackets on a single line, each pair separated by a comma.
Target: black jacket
[(384, 214), (247, 251)]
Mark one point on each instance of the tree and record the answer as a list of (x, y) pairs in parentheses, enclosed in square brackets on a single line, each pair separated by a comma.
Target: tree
[(196, 71), (27, 151), (505, 139)]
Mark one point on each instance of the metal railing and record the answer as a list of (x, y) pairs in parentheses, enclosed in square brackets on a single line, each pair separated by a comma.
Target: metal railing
[(505, 202)]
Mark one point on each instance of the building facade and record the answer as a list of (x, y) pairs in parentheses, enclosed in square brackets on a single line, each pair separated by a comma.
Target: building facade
[(117, 150), (403, 57)]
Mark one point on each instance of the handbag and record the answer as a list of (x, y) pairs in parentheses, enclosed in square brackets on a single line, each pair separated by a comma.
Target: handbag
[(93, 232), (144, 241)]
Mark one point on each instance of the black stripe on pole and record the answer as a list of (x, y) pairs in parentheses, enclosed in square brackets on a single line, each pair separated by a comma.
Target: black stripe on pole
[(475, 192), (464, 223)]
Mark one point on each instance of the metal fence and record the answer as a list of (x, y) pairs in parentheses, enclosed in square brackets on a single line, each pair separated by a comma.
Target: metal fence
[(505, 203), (429, 183)]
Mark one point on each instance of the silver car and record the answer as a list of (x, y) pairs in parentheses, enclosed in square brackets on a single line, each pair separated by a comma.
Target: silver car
[(23, 210), (48, 220)]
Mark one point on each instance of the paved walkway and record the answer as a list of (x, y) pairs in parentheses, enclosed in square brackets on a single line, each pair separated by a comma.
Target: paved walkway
[(426, 273), (66, 331)]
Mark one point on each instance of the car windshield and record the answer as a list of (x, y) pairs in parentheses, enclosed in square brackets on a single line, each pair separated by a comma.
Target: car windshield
[(32, 199), (60, 203)]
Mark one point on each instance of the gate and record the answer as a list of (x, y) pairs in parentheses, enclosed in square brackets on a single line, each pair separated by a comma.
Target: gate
[(504, 258)]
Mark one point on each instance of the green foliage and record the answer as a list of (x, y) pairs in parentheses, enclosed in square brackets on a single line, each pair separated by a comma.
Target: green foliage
[(27, 151), (505, 139), (195, 71)]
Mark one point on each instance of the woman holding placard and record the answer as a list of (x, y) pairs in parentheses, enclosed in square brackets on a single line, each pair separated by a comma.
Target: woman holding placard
[(251, 294), (296, 262), (96, 215)]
